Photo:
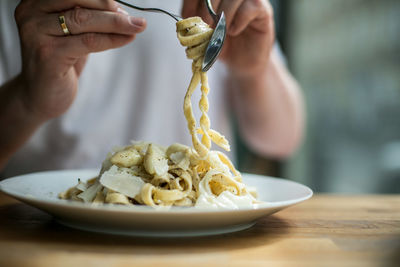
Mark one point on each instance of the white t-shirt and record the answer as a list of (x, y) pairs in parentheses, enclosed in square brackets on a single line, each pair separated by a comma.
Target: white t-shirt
[(132, 93)]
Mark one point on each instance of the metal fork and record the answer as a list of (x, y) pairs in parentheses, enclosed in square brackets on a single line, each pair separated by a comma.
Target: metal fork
[(151, 9), (217, 39)]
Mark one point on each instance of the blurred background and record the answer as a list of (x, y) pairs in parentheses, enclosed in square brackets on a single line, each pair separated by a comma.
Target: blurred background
[(346, 57)]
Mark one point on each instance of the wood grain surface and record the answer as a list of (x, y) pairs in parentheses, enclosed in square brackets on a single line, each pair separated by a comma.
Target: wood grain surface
[(327, 230)]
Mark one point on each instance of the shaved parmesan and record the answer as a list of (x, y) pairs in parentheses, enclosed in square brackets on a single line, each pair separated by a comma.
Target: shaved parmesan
[(180, 159), (90, 193), (155, 161), (122, 181), (81, 186)]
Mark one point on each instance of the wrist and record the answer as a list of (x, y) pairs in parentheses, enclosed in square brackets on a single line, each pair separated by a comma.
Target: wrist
[(23, 102), (253, 77), (17, 121), (250, 81)]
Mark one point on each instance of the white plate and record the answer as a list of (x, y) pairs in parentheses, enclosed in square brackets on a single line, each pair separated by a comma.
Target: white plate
[(41, 190)]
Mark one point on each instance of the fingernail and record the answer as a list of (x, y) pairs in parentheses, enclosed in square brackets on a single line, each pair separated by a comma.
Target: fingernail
[(123, 11), (137, 21)]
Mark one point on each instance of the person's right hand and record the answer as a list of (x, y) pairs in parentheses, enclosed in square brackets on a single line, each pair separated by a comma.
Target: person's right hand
[(52, 61)]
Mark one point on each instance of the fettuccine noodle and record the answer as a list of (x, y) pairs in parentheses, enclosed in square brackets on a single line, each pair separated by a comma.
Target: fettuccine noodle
[(195, 35), (149, 174)]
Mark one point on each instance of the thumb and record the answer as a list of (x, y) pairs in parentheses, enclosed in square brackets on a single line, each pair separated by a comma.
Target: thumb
[(80, 64)]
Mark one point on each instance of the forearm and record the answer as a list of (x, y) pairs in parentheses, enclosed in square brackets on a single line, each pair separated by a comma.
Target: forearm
[(269, 108), (16, 121)]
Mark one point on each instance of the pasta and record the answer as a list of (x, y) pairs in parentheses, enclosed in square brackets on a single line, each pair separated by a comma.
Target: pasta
[(195, 35), (145, 173)]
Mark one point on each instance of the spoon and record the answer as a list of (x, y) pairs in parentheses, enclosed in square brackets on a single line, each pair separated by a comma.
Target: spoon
[(217, 39)]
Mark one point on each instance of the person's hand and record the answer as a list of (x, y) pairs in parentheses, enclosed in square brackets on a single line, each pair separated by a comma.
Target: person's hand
[(53, 61), (250, 32)]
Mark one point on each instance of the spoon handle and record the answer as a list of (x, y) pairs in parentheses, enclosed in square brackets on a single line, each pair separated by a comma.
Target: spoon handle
[(211, 10)]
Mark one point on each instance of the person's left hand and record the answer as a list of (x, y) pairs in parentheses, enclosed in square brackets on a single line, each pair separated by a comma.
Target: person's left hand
[(250, 32)]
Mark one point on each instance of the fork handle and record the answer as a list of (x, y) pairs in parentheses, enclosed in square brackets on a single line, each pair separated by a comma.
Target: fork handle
[(176, 17)]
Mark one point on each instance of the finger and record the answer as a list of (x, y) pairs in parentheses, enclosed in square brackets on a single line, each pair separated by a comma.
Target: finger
[(58, 6), (189, 8), (230, 8), (77, 46), (82, 20), (255, 13)]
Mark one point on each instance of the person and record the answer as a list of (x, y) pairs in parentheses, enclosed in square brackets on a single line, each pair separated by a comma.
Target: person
[(134, 92)]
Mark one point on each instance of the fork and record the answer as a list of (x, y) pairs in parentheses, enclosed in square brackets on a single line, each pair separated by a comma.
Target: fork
[(217, 39), (151, 9)]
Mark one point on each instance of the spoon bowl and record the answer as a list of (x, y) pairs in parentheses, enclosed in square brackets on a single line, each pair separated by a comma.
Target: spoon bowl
[(215, 45), (217, 39)]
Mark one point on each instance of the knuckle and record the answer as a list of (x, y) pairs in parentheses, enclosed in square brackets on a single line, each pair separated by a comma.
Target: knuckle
[(119, 20), (267, 7), (27, 30), (26, 22), (79, 17), (22, 10), (264, 7), (110, 4), (19, 12), (258, 3)]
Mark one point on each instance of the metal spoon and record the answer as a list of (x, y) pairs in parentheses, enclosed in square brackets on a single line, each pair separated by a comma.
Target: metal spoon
[(217, 39)]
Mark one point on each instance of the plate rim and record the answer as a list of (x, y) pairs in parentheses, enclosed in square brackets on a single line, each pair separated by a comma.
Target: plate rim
[(145, 210)]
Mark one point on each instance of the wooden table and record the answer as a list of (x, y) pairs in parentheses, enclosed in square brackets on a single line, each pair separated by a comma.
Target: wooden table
[(327, 230)]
